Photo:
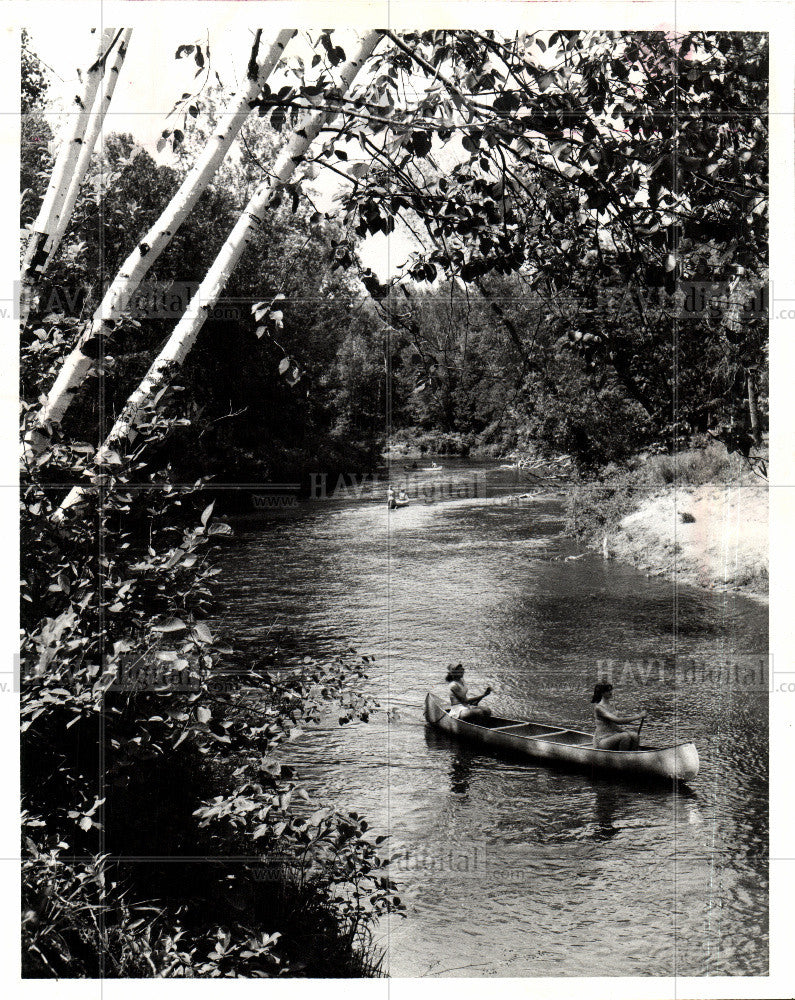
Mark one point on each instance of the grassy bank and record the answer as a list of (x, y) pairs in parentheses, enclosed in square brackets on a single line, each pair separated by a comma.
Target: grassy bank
[(700, 515)]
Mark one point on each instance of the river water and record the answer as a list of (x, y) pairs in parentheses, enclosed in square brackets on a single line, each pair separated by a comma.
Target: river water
[(507, 868)]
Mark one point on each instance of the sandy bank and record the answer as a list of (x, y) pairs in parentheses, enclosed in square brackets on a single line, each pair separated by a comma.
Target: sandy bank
[(714, 536)]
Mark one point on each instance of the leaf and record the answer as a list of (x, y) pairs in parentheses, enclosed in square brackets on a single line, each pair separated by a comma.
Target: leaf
[(172, 625), (206, 513), (220, 528), (284, 366), (86, 823), (202, 632), (203, 715)]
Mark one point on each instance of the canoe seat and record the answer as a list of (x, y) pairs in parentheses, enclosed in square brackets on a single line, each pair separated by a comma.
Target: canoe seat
[(534, 729), (572, 739), (493, 722)]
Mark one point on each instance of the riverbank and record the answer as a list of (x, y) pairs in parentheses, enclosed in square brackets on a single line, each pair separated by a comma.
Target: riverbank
[(702, 519)]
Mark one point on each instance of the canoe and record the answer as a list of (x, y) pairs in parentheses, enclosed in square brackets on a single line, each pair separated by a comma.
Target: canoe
[(399, 503), (433, 468), (548, 742)]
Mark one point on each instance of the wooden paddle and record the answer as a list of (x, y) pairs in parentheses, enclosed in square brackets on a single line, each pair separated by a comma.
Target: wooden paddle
[(643, 719)]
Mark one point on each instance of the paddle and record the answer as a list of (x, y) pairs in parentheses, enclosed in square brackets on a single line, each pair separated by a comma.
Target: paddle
[(642, 720)]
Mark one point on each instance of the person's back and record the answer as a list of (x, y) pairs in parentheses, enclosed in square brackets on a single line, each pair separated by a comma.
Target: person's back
[(603, 726), (608, 734), (458, 692), (462, 706)]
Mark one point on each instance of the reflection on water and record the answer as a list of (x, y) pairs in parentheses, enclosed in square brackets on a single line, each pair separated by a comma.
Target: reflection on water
[(508, 868)]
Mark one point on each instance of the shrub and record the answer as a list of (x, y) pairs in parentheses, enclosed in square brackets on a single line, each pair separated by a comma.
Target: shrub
[(144, 735)]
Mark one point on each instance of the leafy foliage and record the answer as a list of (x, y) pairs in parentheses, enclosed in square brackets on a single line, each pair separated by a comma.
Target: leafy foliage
[(34, 81), (592, 163)]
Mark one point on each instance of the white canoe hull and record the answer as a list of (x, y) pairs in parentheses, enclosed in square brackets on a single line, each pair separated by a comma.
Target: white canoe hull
[(548, 742)]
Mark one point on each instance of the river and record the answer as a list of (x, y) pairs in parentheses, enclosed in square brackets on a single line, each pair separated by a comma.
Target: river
[(506, 868)]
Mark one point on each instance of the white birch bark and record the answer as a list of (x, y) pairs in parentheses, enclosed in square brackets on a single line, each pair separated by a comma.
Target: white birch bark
[(187, 330), (97, 120), (74, 128), (140, 260)]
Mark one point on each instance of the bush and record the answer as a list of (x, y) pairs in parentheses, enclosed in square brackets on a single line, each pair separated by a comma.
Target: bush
[(615, 492), (144, 735), (693, 467)]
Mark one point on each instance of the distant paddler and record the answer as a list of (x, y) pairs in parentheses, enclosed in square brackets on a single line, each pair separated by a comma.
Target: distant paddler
[(462, 705), (390, 498), (608, 734)]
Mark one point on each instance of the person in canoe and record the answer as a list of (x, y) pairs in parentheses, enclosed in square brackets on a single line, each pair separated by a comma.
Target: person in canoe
[(390, 498), (462, 704), (608, 734)]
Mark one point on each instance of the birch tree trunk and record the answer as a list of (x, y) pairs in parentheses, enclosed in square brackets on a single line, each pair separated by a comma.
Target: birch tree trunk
[(117, 298), (101, 105), (46, 224), (753, 408), (187, 330)]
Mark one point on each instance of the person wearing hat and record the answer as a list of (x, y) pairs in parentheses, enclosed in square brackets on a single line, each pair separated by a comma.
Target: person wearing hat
[(462, 705), (608, 734)]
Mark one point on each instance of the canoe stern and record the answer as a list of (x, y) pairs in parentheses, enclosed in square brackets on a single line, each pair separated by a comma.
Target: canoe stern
[(687, 762), (434, 709)]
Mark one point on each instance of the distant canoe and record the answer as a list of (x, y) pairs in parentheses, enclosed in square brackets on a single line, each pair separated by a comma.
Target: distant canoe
[(544, 741), (399, 503), (433, 468)]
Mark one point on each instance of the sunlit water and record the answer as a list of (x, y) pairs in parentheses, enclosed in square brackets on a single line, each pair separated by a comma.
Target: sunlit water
[(507, 868)]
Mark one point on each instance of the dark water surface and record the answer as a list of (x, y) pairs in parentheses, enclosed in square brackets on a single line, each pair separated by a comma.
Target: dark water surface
[(507, 868)]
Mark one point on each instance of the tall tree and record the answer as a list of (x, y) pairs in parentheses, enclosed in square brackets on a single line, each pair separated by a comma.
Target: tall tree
[(52, 209), (154, 242), (187, 330), (96, 123)]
